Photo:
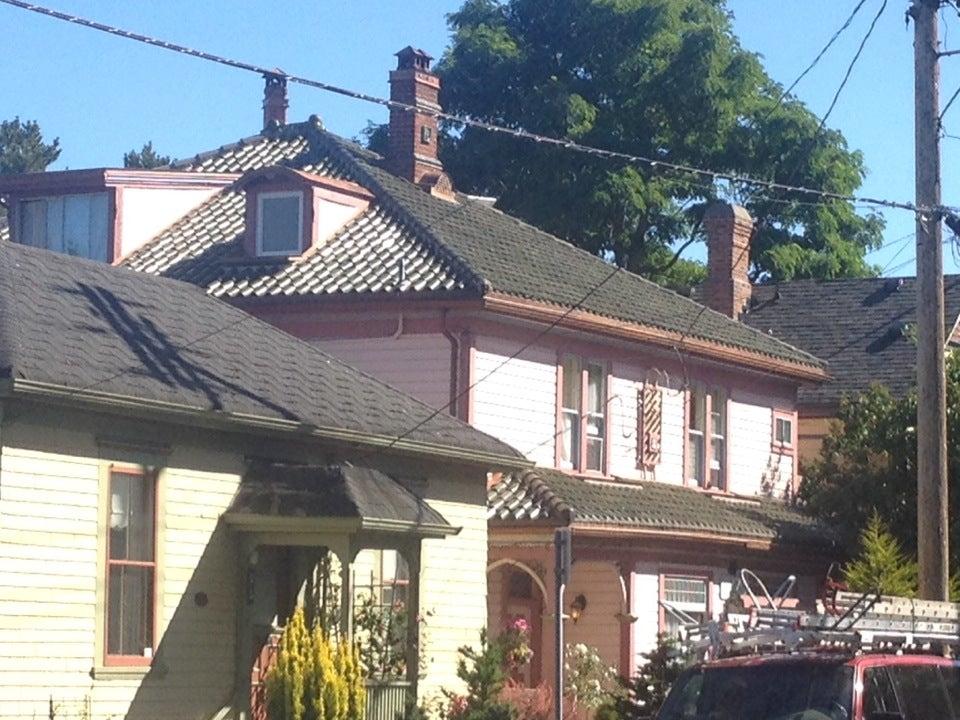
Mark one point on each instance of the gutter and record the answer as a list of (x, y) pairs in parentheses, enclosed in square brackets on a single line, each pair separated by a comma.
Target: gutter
[(50, 392)]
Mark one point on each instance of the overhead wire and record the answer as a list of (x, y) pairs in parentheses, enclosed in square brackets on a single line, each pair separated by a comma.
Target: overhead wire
[(652, 163)]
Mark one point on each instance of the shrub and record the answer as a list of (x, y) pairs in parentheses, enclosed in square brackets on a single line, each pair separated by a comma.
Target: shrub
[(312, 679), (483, 673), (881, 564), (644, 693), (589, 680)]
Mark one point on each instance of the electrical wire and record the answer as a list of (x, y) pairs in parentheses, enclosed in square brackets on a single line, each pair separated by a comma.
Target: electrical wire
[(653, 163)]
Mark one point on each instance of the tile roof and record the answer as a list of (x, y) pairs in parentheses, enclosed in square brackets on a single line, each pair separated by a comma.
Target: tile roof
[(558, 498), (342, 491), (862, 328), (87, 327), (466, 247)]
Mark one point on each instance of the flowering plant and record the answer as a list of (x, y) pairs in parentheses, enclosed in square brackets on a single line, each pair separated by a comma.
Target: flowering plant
[(589, 679), (516, 643)]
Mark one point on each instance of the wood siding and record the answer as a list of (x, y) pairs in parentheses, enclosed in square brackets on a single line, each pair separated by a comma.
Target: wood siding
[(518, 402), (419, 365)]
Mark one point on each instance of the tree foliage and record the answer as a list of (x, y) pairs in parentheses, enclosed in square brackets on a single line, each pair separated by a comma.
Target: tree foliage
[(664, 79), (868, 465), (22, 148), (644, 693), (881, 565), (146, 158), (483, 673)]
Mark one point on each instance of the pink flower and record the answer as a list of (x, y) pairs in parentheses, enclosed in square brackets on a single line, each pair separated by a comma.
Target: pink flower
[(520, 625), (458, 706)]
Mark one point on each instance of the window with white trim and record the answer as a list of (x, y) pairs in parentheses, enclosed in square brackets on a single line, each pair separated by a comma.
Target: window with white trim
[(384, 577), (688, 595), (583, 401), (707, 438), (71, 224), (279, 223), (131, 567)]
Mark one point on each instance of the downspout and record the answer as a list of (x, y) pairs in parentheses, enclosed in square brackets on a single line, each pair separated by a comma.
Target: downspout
[(454, 363)]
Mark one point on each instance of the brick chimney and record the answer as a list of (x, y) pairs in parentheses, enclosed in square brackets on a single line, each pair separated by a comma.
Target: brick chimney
[(729, 228), (412, 150), (274, 100)]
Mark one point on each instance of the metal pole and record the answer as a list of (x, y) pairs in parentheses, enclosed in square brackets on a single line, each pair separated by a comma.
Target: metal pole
[(562, 546), (931, 384)]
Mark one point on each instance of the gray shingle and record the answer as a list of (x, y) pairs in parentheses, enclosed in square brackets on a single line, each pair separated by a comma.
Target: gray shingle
[(558, 498), (85, 326), (862, 328), (467, 247)]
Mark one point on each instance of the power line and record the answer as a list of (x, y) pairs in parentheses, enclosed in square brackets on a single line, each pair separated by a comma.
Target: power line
[(652, 163), (560, 318), (822, 52)]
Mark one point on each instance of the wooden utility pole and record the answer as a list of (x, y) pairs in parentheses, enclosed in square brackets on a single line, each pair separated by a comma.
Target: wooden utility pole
[(931, 382)]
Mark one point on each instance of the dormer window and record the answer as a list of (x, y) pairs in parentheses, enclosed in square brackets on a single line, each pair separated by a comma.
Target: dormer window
[(279, 223), (291, 212), (71, 224)]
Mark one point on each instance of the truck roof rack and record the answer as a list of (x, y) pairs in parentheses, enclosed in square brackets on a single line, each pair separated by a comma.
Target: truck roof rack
[(843, 621)]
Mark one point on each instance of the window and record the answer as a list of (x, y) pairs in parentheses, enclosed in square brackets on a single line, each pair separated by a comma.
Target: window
[(783, 429), (922, 693), (131, 567), (583, 402), (878, 694), (707, 438), (279, 223), (688, 595), (71, 224), (385, 577)]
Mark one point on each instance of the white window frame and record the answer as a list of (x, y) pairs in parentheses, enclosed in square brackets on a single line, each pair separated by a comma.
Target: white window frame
[(782, 417), (276, 195)]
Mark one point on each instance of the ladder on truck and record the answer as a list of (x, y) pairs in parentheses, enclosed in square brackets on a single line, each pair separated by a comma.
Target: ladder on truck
[(844, 621)]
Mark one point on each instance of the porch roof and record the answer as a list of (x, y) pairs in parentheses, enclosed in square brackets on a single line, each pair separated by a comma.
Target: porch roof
[(554, 498), (306, 495)]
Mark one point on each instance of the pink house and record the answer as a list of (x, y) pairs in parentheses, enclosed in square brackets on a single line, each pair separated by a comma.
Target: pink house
[(664, 432)]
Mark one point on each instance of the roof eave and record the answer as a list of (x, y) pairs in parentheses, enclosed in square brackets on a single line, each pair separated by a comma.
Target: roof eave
[(175, 412), (583, 320)]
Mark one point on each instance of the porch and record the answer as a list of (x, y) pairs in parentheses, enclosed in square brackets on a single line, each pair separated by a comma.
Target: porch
[(344, 543)]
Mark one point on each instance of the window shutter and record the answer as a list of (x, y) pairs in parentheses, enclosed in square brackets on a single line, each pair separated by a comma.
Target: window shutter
[(649, 425)]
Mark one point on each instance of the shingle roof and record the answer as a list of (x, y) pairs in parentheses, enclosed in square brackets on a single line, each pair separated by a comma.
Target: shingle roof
[(555, 497), (341, 491), (89, 327), (465, 247), (862, 328)]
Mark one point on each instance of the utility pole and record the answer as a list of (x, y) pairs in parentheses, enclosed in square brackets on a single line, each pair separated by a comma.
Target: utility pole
[(931, 382)]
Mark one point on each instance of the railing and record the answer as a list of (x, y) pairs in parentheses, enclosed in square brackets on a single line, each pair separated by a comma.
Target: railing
[(387, 699)]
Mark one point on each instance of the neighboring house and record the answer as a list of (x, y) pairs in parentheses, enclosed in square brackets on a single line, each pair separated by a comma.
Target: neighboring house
[(171, 471), (664, 432), (863, 328)]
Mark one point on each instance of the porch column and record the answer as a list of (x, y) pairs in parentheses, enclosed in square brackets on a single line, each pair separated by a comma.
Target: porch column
[(625, 570), (347, 556), (411, 553)]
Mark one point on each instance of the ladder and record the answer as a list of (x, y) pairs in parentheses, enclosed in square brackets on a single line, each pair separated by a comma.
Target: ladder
[(846, 621)]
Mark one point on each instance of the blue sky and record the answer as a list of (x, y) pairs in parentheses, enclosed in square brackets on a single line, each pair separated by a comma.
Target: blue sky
[(103, 95)]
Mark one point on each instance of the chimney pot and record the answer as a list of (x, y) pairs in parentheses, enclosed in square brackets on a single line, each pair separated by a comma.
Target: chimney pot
[(274, 100), (729, 229)]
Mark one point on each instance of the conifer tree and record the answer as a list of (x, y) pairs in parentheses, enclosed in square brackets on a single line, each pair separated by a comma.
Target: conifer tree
[(286, 681), (645, 692), (881, 564)]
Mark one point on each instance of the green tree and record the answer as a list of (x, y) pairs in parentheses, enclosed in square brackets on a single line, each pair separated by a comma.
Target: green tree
[(22, 148), (146, 158), (644, 693), (483, 674), (658, 78), (881, 565), (868, 465)]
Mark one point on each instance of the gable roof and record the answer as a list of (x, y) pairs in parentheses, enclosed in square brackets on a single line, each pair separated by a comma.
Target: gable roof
[(412, 242), (77, 330), (555, 498), (862, 328)]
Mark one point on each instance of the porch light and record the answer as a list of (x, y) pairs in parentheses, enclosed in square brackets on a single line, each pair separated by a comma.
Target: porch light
[(577, 607)]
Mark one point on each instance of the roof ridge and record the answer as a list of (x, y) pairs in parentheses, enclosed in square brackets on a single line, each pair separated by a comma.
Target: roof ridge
[(333, 142)]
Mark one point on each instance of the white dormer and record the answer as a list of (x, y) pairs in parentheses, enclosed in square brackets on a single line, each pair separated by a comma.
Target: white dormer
[(291, 212), (105, 213)]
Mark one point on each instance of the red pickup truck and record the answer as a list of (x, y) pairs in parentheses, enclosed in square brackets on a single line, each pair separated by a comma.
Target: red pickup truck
[(818, 685)]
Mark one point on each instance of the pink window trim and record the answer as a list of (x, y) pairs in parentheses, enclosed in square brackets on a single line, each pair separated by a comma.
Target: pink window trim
[(584, 390), (684, 573), (130, 660), (707, 439), (790, 415)]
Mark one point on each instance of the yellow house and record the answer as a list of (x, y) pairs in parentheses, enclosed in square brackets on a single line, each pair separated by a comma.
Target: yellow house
[(172, 473)]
